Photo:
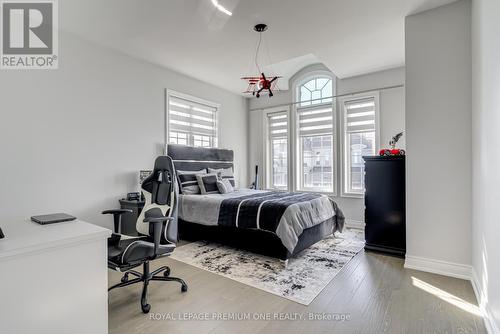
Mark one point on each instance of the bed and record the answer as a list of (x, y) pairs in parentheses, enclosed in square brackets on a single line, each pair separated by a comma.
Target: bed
[(276, 224)]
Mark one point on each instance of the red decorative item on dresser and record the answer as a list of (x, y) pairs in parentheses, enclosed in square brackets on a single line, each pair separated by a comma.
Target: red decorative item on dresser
[(393, 150)]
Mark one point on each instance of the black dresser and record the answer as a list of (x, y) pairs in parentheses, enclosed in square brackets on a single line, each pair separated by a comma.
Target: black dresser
[(385, 204)]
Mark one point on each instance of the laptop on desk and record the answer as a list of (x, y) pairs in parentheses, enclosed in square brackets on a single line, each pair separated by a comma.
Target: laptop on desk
[(52, 218)]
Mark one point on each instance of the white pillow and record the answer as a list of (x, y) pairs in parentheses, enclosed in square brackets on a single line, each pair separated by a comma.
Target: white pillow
[(224, 186), (224, 174)]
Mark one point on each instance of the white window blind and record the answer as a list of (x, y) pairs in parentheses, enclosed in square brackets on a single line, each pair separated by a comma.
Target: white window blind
[(315, 121), (278, 125), (360, 115), (191, 123)]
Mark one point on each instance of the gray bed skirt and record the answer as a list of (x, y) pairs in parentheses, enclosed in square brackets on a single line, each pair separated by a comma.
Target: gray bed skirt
[(254, 240)]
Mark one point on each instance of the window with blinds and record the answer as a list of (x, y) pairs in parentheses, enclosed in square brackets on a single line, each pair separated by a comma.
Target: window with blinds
[(317, 161), (360, 115), (277, 129), (359, 126), (300, 144), (191, 122)]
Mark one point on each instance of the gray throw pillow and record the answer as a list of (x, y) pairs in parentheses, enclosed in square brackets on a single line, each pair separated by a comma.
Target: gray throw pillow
[(188, 181), (207, 183)]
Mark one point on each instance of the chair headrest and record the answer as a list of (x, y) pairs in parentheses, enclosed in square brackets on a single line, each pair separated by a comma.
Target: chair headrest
[(161, 182), (162, 163)]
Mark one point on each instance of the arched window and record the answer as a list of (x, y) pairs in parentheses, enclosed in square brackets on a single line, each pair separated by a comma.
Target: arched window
[(315, 133), (316, 91)]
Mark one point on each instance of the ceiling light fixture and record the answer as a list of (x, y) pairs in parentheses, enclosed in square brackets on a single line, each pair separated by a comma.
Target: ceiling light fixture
[(260, 83), (221, 8)]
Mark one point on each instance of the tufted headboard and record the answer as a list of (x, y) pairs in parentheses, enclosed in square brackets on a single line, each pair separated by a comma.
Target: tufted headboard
[(196, 158)]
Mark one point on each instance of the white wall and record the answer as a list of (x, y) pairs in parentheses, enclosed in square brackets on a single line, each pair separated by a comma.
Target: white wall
[(74, 139), (391, 120), (486, 157), (438, 141)]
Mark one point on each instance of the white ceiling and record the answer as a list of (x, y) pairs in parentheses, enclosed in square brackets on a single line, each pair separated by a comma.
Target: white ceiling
[(350, 37)]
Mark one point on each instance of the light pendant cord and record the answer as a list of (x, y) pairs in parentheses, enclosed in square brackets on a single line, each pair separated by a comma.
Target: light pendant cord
[(257, 53)]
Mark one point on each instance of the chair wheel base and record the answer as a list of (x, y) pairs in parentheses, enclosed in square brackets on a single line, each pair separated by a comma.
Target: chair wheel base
[(146, 308), (145, 278)]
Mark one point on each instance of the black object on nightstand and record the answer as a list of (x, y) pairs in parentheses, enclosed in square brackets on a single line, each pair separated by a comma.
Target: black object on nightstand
[(385, 204), (130, 219)]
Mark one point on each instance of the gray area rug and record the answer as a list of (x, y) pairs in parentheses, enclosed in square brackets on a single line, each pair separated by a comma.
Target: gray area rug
[(304, 278)]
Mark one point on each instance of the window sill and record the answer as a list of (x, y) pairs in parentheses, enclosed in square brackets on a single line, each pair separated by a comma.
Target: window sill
[(329, 193), (353, 195)]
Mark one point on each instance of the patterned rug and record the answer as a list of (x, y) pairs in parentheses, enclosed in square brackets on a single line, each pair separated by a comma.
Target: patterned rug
[(301, 281)]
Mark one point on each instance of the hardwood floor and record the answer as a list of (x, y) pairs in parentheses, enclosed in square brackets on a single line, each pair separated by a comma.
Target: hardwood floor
[(377, 293)]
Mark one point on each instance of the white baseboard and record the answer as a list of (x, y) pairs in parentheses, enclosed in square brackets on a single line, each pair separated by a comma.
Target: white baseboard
[(350, 223), (491, 326), (445, 268)]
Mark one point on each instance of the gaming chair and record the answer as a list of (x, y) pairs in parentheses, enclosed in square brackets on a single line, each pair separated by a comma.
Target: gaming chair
[(157, 230)]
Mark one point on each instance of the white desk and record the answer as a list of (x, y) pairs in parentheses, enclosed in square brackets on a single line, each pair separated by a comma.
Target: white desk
[(53, 278)]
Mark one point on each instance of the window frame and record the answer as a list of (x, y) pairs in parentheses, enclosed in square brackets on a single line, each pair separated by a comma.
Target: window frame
[(267, 172), (190, 98), (344, 159), (297, 143)]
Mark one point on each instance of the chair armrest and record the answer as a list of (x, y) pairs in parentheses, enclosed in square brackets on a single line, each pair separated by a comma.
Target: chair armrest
[(116, 211), (116, 216), (157, 225)]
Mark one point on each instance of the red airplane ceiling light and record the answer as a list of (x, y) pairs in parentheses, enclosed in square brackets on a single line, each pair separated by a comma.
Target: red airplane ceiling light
[(260, 84), (257, 85)]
